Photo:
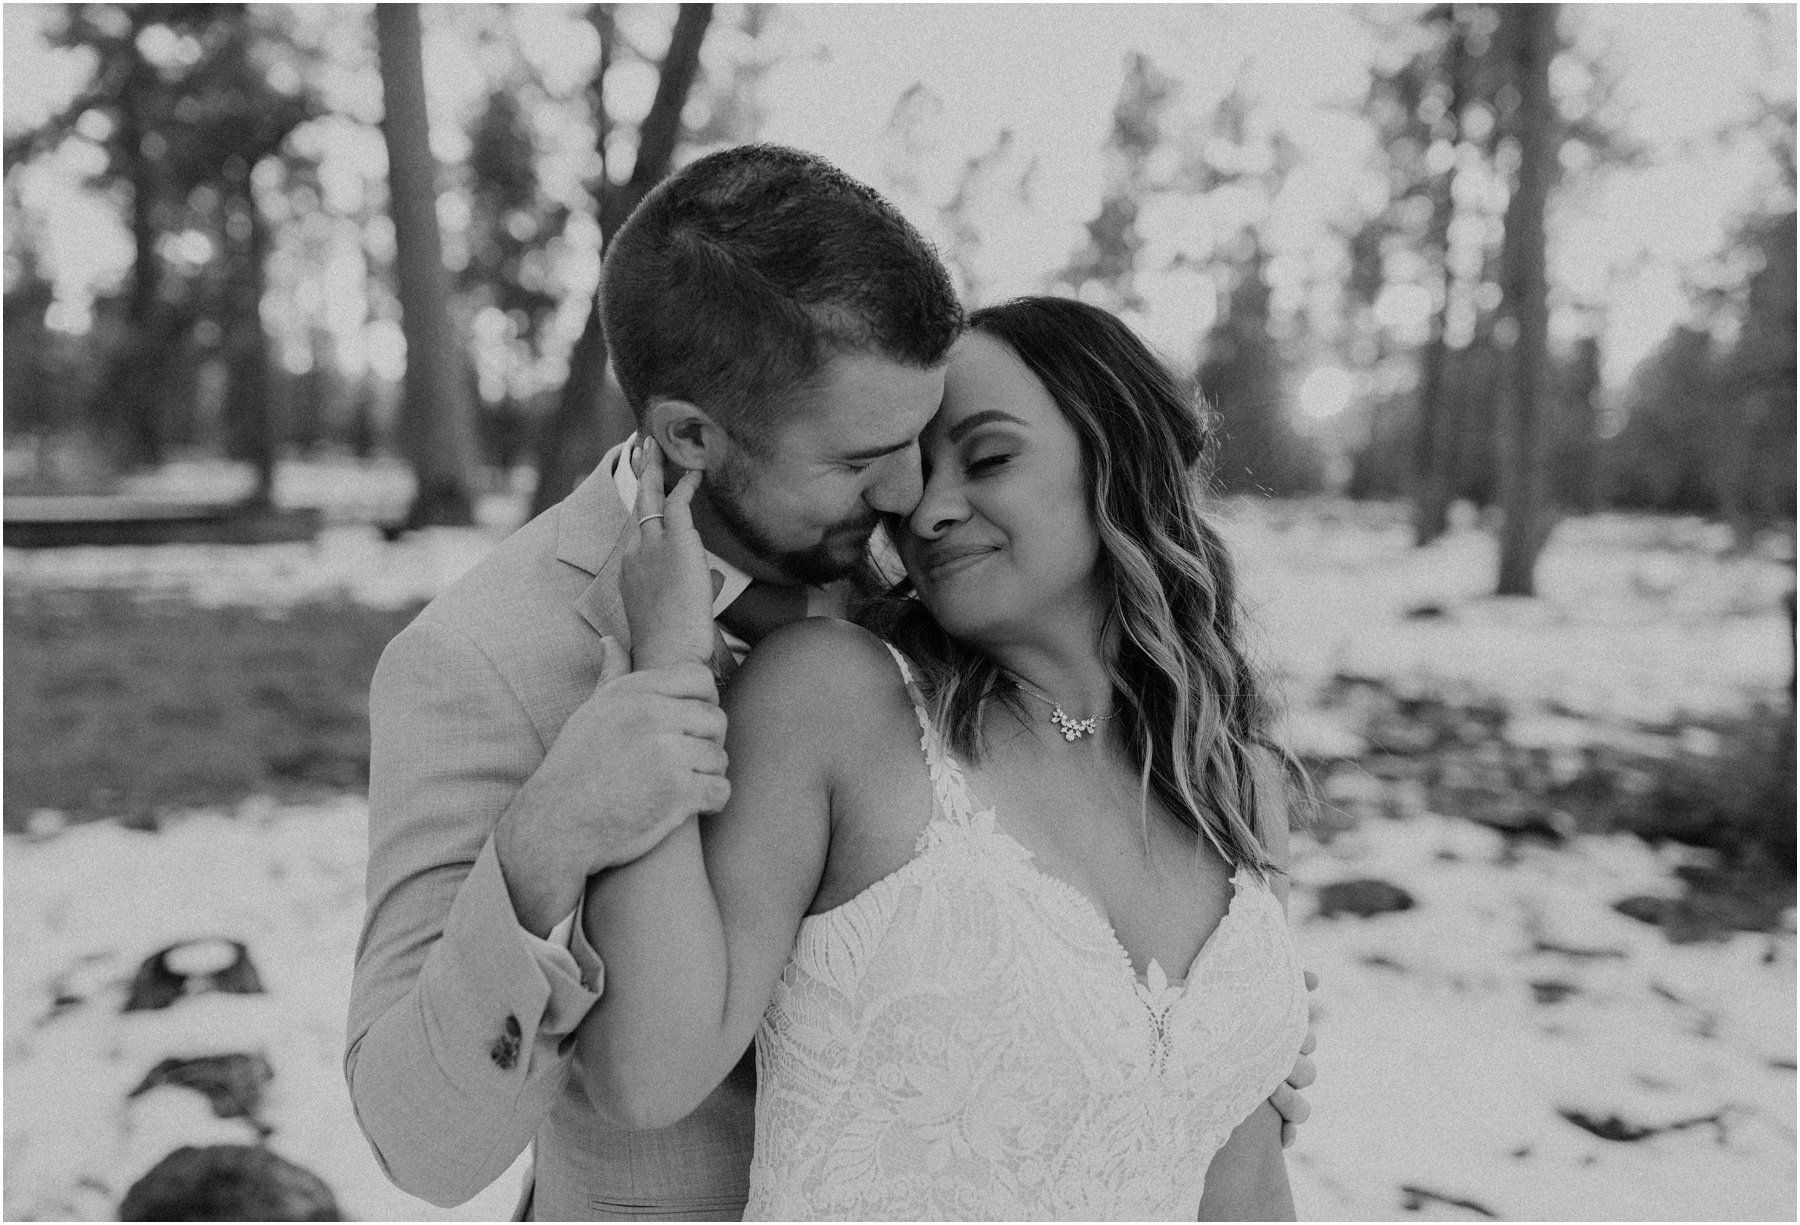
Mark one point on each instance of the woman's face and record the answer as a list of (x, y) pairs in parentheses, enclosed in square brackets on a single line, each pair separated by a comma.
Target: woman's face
[(1003, 538)]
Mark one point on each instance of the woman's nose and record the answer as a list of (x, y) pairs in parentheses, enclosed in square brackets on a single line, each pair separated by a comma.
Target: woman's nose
[(939, 509)]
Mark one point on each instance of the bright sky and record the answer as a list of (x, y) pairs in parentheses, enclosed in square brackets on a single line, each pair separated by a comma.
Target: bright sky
[(1048, 75)]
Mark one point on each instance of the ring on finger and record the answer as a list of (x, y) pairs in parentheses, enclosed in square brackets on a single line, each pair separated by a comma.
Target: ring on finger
[(647, 518)]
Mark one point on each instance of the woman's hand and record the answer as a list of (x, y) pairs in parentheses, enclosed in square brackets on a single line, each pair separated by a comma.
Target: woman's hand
[(664, 581), (1287, 1099)]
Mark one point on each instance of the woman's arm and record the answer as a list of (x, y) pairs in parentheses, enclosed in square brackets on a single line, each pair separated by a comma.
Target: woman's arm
[(695, 934), (1247, 1180), (665, 1030)]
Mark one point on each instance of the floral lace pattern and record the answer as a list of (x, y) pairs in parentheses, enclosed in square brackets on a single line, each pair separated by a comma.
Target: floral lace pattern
[(966, 1039)]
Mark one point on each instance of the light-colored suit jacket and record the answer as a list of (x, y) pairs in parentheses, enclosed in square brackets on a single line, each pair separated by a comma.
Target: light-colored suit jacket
[(462, 1024)]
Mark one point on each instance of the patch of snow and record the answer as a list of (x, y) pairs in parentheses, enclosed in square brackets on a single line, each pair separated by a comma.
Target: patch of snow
[(1638, 620), (1537, 729), (1321, 735), (346, 562), (1439, 1068)]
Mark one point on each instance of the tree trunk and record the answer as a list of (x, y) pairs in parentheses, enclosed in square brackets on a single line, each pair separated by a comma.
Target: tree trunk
[(1436, 451), (1528, 31), (125, 408), (591, 414), (437, 415), (250, 418), (1581, 441)]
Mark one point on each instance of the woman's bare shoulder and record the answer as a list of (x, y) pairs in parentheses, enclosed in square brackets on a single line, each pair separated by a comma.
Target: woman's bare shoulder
[(826, 679)]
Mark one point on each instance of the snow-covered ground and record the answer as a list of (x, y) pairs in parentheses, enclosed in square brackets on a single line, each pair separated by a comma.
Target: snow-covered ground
[(86, 906), (1441, 1072), (1454, 1035), (1450, 1038), (1637, 619)]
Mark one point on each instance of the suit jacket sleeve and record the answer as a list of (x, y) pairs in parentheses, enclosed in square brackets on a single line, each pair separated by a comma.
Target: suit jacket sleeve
[(461, 1022)]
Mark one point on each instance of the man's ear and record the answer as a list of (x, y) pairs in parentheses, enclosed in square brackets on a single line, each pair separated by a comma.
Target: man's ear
[(689, 437)]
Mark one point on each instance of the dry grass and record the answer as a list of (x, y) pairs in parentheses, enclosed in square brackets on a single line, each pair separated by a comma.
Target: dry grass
[(118, 708)]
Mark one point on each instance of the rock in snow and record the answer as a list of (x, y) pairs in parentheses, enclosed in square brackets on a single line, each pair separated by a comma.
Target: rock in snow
[(231, 1084), (1361, 897), (228, 1182), (189, 968)]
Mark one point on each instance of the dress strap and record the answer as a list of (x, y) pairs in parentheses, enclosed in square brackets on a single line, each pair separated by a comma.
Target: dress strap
[(951, 794), (912, 691)]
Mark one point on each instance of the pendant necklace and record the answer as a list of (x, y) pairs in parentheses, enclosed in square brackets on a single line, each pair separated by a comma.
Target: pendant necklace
[(1071, 729)]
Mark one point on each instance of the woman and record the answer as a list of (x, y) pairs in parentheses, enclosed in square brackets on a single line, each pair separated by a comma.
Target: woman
[(1039, 969)]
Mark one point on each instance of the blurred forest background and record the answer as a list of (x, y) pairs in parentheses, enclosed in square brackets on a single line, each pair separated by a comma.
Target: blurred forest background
[(1492, 268), (272, 231)]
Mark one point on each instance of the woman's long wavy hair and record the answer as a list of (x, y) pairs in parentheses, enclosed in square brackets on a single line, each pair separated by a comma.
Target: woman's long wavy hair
[(1189, 704)]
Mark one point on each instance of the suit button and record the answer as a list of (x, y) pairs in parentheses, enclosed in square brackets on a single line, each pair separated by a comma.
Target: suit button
[(505, 1050)]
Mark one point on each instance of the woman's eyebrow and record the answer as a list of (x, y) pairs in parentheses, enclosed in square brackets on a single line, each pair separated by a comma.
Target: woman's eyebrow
[(973, 421)]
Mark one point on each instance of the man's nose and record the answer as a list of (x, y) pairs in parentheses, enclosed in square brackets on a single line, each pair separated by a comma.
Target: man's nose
[(901, 484)]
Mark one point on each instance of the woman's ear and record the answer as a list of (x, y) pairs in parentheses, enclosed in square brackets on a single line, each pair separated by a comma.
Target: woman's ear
[(691, 439)]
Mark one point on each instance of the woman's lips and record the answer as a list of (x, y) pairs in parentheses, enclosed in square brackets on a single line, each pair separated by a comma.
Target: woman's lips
[(940, 564)]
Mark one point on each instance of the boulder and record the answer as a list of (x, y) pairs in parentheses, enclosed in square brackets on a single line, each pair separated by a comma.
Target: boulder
[(228, 1182), (233, 1084), (1363, 897), (189, 968)]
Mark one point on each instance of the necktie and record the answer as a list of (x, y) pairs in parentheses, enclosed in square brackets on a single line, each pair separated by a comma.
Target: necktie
[(761, 609)]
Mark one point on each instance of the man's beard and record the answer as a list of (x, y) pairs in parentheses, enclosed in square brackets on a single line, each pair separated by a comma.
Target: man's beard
[(817, 565)]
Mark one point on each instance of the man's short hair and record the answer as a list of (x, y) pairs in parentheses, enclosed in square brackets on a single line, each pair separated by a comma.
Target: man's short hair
[(741, 275)]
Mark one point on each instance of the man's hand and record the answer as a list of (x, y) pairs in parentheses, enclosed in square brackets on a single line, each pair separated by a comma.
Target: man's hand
[(1293, 1108), (639, 757)]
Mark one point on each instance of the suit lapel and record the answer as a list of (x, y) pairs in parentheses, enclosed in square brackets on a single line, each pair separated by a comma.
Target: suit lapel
[(592, 530)]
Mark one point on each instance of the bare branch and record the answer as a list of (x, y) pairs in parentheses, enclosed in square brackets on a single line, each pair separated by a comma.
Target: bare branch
[(662, 126), (657, 135)]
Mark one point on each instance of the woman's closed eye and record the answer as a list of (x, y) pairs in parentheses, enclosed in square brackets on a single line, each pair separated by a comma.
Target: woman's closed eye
[(982, 465)]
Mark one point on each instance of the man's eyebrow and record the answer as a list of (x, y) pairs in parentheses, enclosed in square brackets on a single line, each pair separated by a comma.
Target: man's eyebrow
[(858, 457), (973, 421)]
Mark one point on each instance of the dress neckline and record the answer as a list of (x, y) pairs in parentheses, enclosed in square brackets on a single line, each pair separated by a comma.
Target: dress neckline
[(953, 805), (1152, 980)]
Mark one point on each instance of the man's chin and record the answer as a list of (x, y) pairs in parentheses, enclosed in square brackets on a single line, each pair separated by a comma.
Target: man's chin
[(831, 559), (835, 556), (836, 553)]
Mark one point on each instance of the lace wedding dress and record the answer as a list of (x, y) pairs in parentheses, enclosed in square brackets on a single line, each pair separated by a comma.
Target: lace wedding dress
[(966, 1039)]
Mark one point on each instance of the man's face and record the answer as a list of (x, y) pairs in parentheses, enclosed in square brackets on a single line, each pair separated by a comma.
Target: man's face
[(801, 508)]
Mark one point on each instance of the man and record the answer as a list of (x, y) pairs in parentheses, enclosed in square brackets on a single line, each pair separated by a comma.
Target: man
[(780, 327)]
